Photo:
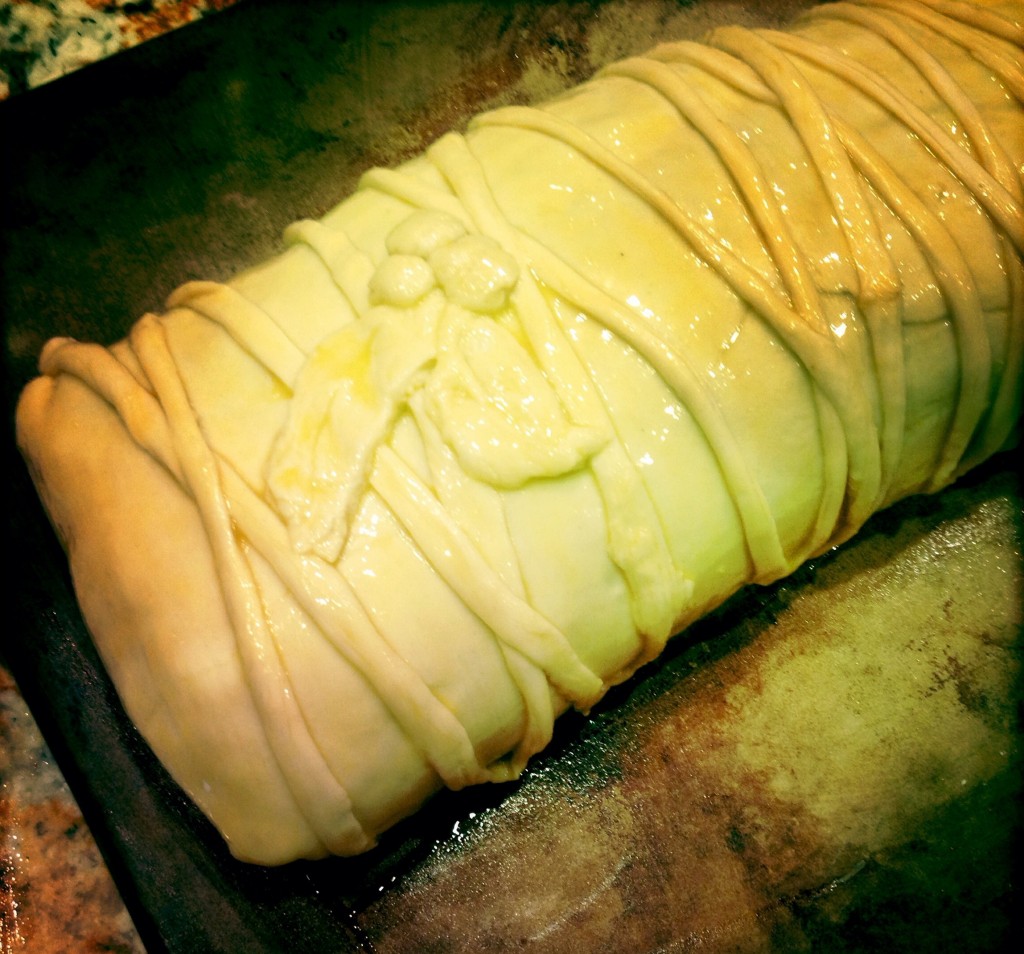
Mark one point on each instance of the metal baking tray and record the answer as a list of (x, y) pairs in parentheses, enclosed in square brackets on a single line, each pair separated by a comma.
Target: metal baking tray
[(829, 764)]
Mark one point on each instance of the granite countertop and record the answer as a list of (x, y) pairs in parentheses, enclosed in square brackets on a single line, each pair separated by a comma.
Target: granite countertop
[(56, 893), (41, 40)]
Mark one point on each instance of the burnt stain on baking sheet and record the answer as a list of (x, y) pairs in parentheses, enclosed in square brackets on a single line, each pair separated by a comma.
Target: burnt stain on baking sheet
[(553, 41), (693, 811), (896, 897), (536, 51)]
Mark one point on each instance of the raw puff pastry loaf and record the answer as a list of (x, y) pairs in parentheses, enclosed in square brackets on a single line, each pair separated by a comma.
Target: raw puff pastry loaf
[(363, 520)]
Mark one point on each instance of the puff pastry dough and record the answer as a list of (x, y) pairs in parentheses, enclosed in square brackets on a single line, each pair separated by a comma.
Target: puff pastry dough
[(362, 521)]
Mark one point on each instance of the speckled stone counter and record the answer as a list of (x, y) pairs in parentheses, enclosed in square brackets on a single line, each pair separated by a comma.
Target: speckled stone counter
[(41, 40), (55, 891)]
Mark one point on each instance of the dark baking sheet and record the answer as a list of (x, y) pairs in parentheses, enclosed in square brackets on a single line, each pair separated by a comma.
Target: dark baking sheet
[(184, 159)]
